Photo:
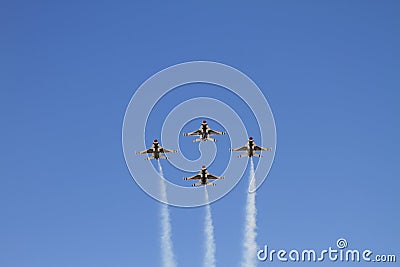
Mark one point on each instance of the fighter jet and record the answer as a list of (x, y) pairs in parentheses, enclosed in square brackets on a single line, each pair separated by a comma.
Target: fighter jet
[(156, 150), (250, 149), (204, 132), (203, 177)]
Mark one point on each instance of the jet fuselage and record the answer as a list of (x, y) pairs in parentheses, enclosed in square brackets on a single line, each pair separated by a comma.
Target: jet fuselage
[(204, 134), (156, 152), (204, 177), (251, 148)]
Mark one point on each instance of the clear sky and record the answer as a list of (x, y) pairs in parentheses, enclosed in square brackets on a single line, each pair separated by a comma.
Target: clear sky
[(329, 69)]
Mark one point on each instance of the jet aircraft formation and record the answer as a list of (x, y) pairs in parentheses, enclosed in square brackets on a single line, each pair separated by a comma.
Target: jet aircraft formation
[(204, 133)]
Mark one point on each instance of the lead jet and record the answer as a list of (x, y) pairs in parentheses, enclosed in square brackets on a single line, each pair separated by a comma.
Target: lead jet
[(203, 176), (204, 132), (250, 149), (156, 150)]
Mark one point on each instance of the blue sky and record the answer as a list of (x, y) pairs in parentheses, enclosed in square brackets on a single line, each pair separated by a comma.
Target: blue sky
[(68, 70)]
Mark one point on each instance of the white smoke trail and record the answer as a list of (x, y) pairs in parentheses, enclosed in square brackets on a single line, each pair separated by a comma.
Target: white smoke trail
[(250, 234), (168, 258), (209, 257)]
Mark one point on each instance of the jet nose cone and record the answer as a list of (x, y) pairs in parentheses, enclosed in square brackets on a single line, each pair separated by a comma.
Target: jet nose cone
[(203, 167), (250, 138), (204, 121), (155, 141)]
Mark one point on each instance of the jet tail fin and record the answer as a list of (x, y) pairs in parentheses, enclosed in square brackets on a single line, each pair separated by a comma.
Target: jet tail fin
[(196, 184), (243, 155)]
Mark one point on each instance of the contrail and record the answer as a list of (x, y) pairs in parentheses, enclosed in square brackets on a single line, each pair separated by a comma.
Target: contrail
[(168, 258), (250, 234), (209, 257)]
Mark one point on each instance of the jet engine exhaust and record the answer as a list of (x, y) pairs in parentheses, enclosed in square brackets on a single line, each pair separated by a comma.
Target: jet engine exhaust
[(209, 257), (168, 258), (250, 229)]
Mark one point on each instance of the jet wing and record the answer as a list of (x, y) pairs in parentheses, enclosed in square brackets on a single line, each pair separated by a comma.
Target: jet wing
[(194, 177), (197, 132), (214, 177), (243, 148), (147, 151), (213, 132), (258, 148), (164, 150)]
